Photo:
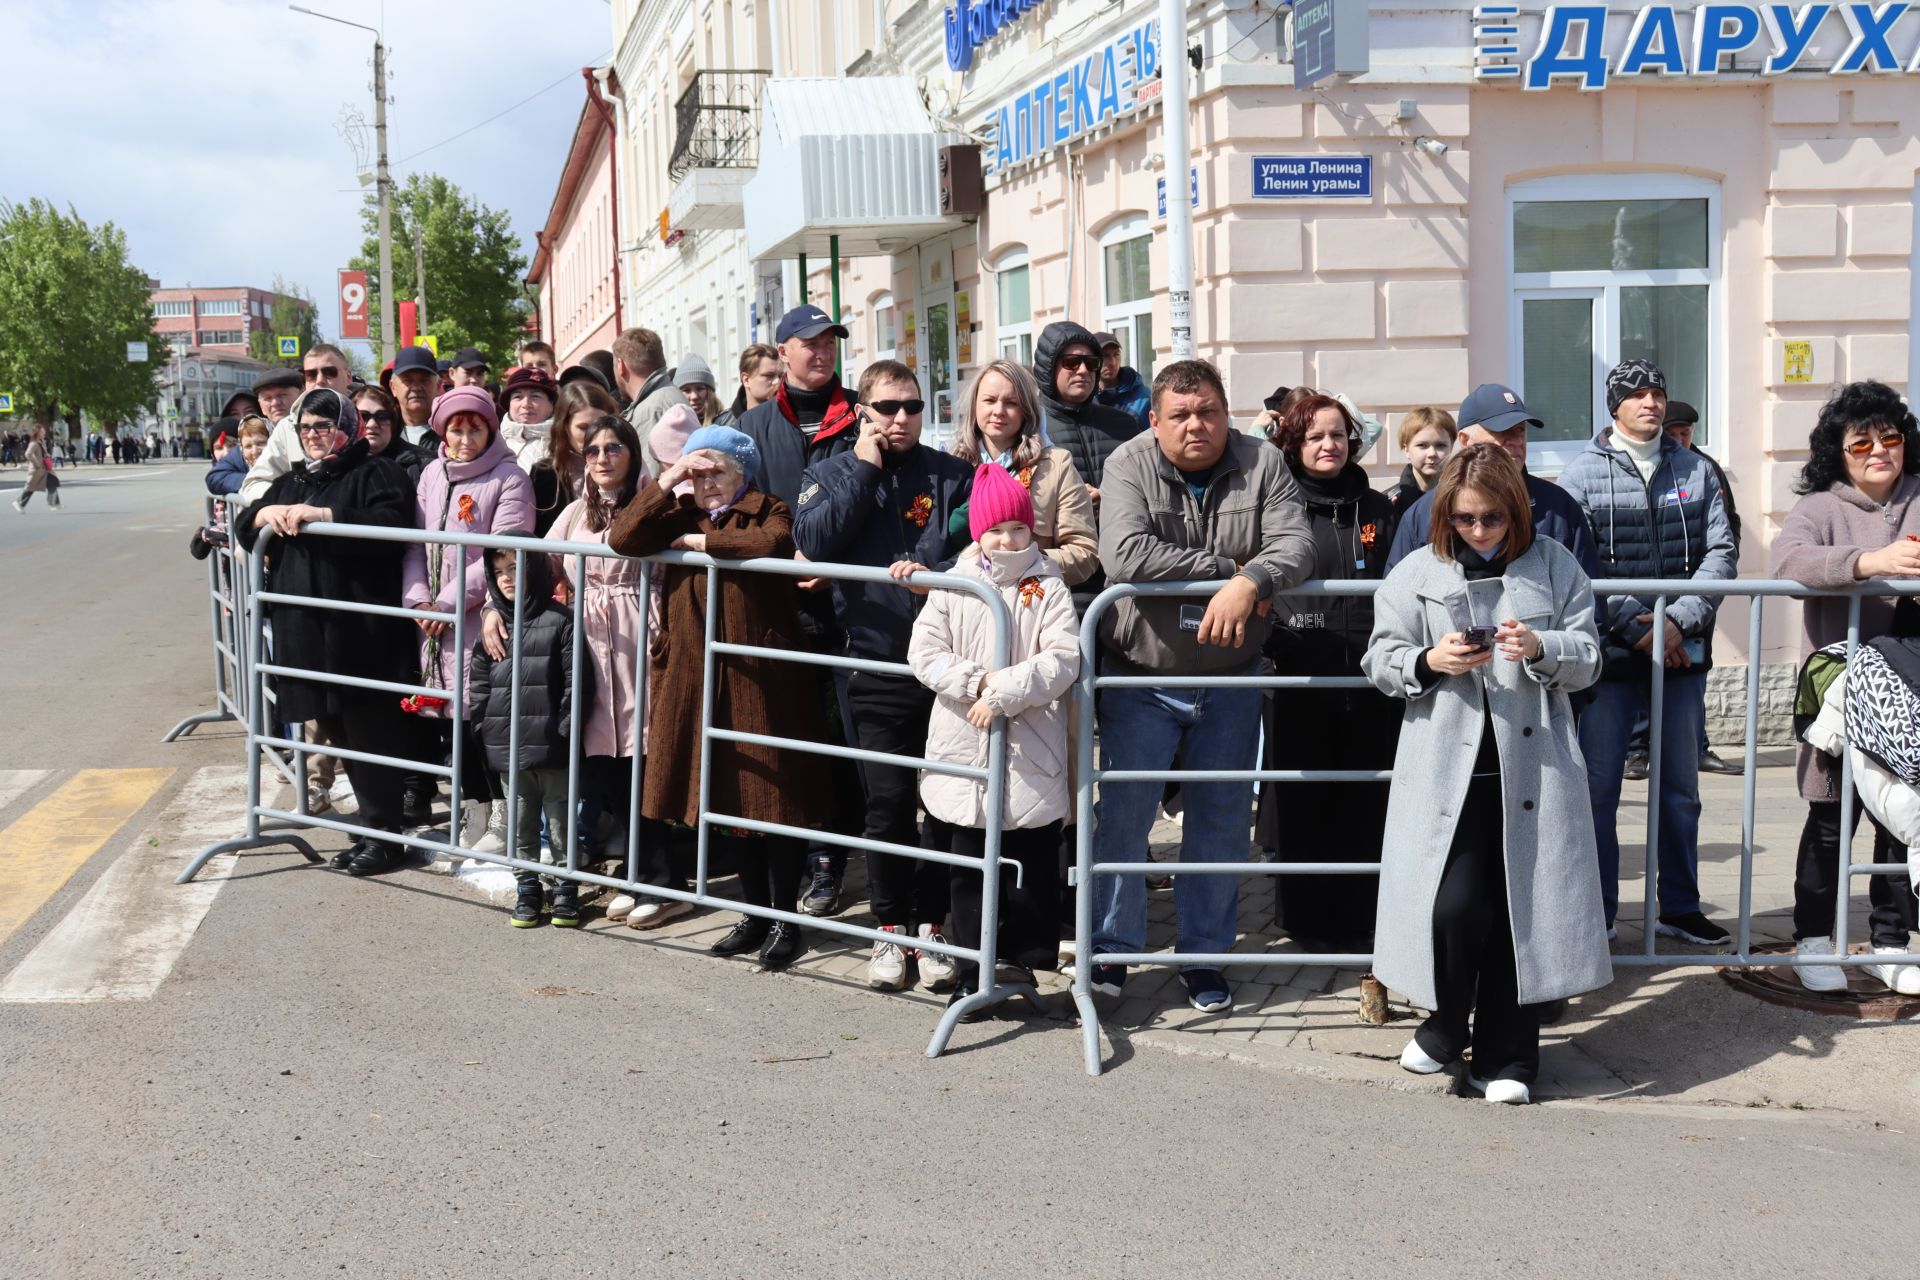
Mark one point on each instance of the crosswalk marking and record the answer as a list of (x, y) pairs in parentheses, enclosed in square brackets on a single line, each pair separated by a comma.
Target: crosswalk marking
[(15, 783), (123, 938), (52, 840)]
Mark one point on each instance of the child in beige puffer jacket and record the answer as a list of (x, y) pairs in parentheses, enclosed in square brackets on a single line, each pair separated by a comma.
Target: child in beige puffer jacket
[(951, 652)]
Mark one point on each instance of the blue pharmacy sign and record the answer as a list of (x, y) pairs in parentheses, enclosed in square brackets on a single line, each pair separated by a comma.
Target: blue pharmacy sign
[(1100, 86), (971, 23), (1312, 177), (1329, 39)]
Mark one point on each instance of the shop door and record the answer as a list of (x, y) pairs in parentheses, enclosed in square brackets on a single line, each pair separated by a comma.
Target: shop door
[(939, 368)]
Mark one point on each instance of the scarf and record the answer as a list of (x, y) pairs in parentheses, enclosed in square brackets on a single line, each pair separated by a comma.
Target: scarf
[(838, 417), (1477, 567)]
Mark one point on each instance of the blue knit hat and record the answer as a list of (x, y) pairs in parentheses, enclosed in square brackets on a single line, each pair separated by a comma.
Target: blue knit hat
[(735, 444)]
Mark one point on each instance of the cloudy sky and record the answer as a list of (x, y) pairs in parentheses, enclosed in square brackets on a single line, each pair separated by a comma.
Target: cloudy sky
[(209, 129)]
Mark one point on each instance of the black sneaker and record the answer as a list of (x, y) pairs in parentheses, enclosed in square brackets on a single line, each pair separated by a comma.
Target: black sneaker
[(1636, 770), (1108, 979), (1207, 990), (1692, 927), (527, 903), (783, 947), (823, 893), (565, 912)]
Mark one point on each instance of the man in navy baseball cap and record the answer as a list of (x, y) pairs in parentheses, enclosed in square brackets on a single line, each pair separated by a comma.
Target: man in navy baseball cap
[(807, 321)]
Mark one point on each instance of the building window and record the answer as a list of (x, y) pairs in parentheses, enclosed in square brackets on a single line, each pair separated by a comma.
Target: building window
[(221, 338), (220, 307), (173, 308), (1127, 299), (1606, 268), (885, 327), (1013, 329)]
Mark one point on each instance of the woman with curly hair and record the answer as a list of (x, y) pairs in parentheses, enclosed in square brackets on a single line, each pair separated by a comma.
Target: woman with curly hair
[(1352, 528), (1858, 518)]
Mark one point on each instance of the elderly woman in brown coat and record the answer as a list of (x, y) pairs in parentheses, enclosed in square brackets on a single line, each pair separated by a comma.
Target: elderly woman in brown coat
[(728, 518)]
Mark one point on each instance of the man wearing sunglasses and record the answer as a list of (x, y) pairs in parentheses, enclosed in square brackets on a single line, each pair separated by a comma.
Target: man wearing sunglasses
[(323, 367), (887, 502), (1657, 511), (1066, 363)]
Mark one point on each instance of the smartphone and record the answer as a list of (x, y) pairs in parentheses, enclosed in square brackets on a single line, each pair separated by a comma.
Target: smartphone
[(1190, 615), (1480, 638)]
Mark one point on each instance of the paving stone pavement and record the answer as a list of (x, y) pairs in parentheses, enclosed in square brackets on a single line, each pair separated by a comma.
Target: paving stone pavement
[(1670, 1034)]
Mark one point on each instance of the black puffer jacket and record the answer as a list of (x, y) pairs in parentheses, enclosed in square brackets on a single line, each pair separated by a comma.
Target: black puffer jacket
[(1090, 432), (410, 458), (546, 677)]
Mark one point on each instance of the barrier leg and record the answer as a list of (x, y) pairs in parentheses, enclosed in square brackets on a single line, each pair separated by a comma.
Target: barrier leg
[(1083, 693), (213, 851), (193, 722)]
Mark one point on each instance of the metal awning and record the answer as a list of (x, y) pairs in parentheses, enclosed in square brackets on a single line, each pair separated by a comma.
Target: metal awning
[(854, 157)]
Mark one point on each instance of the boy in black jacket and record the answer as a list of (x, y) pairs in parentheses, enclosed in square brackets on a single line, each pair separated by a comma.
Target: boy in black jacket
[(546, 702)]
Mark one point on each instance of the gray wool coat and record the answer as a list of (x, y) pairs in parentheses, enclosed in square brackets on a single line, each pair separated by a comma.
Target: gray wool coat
[(1553, 878)]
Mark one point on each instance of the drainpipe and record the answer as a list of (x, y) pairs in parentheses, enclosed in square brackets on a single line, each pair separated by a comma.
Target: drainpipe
[(596, 80)]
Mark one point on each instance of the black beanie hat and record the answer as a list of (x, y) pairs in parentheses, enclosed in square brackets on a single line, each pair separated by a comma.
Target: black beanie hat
[(1630, 376)]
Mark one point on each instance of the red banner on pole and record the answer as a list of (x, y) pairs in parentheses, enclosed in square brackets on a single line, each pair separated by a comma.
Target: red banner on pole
[(409, 323), (353, 304)]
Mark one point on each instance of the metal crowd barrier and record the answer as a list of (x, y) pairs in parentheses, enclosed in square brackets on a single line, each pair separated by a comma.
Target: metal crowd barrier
[(226, 592), (267, 826), (1086, 692)]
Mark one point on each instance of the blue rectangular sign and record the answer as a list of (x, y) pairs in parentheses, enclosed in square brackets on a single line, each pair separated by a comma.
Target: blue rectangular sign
[(1193, 181), (1312, 177)]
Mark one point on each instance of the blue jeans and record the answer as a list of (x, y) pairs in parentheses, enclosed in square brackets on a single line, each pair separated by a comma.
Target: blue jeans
[(1207, 729), (1605, 727)]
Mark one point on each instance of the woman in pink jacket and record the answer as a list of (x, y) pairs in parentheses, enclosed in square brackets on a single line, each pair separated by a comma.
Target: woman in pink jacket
[(472, 486), (951, 652)]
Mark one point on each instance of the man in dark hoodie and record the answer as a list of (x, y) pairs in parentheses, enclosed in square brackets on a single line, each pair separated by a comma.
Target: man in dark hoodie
[(1066, 363)]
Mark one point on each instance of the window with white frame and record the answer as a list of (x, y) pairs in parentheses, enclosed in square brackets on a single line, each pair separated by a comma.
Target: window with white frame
[(884, 325), (221, 337), (1605, 268), (1013, 293), (173, 308), (220, 307), (1126, 300)]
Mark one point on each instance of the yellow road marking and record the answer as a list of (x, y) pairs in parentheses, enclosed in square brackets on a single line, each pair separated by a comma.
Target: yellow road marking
[(53, 839)]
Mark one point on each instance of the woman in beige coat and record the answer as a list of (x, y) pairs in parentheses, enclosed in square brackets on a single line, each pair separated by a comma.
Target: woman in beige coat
[(952, 653), (1000, 422)]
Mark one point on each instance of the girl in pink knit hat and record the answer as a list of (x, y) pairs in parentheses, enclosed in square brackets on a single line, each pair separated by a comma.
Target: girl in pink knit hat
[(952, 653)]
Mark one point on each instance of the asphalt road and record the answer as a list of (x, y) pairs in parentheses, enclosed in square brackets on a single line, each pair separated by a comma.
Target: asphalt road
[(382, 1079)]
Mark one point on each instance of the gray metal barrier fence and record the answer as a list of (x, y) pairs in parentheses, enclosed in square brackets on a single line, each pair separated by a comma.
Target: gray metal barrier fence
[(268, 826), (226, 596), (1086, 693)]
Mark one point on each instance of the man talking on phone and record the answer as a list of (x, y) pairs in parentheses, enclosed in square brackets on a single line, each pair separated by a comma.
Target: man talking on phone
[(1193, 500)]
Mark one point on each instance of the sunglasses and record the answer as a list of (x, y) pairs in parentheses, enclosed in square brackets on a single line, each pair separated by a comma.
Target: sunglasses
[(613, 450), (318, 428), (1077, 362), (1861, 448), (383, 417), (324, 371), (1490, 521), (888, 408)]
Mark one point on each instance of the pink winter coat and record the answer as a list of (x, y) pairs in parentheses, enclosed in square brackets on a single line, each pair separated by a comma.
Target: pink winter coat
[(608, 614), (502, 502), (952, 645)]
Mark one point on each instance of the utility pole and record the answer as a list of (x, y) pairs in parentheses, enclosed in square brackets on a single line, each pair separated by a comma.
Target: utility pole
[(1179, 158), (420, 273), (384, 181)]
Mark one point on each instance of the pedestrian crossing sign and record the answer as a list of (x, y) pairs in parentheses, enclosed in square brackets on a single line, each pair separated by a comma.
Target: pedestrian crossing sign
[(290, 346), (431, 343), (6, 402), (173, 411)]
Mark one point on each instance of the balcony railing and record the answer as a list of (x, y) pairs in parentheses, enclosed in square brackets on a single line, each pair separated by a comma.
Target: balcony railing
[(717, 122)]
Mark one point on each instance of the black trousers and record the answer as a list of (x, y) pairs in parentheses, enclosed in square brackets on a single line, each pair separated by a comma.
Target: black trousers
[(1473, 960), (1816, 879), (1028, 934), (889, 713), (768, 866), (609, 783), (849, 791), (380, 727)]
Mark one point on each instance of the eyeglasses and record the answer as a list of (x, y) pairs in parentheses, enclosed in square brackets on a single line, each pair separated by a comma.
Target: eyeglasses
[(322, 371), (889, 408), (317, 428), (1861, 448), (1491, 521), (613, 450), (1077, 362)]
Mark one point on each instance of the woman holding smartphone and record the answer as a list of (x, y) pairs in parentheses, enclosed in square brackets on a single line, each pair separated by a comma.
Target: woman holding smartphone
[(1489, 895)]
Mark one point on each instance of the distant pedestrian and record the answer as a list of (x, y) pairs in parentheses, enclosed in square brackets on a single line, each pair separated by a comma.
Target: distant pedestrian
[(759, 376), (40, 477), (1121, 386)]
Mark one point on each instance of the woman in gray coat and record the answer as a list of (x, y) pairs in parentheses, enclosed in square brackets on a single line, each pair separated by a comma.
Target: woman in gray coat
[(1489, 875)]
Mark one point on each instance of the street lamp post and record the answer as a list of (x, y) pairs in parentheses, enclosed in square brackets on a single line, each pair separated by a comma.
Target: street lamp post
[(384, 180)]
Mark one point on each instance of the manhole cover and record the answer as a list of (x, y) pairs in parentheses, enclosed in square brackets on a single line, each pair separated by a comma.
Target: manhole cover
[(1865, 996)]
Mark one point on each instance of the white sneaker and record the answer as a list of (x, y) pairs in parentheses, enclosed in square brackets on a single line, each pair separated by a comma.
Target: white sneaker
[(622, 907), (1814, 976), (319, 800), (1901, 979), (651, 913), (937, 972), (1511, 1092), (1415, 1059), (494, 838), (887, 966)]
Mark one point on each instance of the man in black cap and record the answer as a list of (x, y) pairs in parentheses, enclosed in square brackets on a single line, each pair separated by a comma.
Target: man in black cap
[(1493, 414), (811, 418), (445, 369), (468, 368), (275, 390), (415, 384), (1121, 386)]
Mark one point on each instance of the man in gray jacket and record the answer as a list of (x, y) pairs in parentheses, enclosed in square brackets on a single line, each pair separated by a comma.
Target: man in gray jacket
[(1194, 500), (1657, 511)]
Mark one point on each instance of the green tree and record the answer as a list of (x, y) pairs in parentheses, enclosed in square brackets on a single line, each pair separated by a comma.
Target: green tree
[(292, 314), (473, 266), (70, 302)]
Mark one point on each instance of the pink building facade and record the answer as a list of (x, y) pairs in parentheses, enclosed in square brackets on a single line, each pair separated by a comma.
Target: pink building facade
[(576, 265)]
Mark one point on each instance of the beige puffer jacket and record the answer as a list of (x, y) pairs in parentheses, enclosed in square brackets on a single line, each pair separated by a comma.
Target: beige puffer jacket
[(952, 646)]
